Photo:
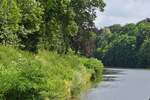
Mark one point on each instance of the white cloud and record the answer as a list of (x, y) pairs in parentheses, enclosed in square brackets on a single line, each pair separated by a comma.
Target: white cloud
[(123, 11)]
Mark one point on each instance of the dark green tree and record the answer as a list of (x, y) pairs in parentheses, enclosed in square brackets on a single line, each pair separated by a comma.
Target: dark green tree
[(103, 40), (129, 29), (85, 11), (59, 25), (116, 29), (121, 52), (29, 27), (144, 54)]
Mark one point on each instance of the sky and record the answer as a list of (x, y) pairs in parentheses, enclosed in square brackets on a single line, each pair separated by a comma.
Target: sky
[(123, 12)]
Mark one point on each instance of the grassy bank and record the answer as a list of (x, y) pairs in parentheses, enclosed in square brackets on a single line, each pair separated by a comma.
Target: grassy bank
[(45, 76)]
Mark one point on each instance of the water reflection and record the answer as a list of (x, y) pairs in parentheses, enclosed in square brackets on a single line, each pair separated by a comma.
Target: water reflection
[(111, 74), (121, 84)]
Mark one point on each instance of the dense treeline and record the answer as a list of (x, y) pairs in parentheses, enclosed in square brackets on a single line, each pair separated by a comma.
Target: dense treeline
[(124, 46), (46, 24)]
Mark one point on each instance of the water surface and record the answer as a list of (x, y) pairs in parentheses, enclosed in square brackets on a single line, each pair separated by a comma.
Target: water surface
[(122, 84)]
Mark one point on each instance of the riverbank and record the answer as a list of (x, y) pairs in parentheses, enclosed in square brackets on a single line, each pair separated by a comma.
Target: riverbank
[(46, 75)]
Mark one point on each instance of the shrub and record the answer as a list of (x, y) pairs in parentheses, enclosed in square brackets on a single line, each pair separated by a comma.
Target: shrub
[(45, 76), (94, 66), (21, 79)]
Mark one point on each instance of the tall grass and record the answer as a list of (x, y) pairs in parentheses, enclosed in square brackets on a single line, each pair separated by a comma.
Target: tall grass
[(45, 76)]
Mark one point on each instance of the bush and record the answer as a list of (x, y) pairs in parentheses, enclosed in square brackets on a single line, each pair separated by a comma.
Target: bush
[(45, 76), (95, 67), (21, 79), (65, 68)]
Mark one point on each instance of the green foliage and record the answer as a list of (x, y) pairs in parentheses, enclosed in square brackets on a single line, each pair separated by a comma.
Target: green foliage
[(104, 37), (143, 33), (20, 22), (116, 28), (29, 27), (45, 24), (72, 70), (129, 29), (31, 12), (9, 18), (144, 53), (125, 46), (85, 11), (46, 75), (21, 76), (95, 67), (59, 25), (34, 25), (122, 52)]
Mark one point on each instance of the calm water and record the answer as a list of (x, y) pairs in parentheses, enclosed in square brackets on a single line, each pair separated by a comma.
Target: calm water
[(122, 84)]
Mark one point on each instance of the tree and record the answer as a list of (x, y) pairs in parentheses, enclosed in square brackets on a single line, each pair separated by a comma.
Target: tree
[(144, 55), (116, 29), (47, 24), (29, 27), (103, 40), (59, 25), (129, 29), (85, 11), (87, 43), (121, 52), (9, 22), (143, 32)]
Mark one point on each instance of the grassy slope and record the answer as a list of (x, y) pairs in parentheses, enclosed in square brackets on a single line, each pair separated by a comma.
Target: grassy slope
[(45, 76)]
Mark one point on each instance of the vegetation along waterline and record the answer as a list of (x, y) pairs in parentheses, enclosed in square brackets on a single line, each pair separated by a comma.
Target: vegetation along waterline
[(47, 29), (35, 39), (45, 76)]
